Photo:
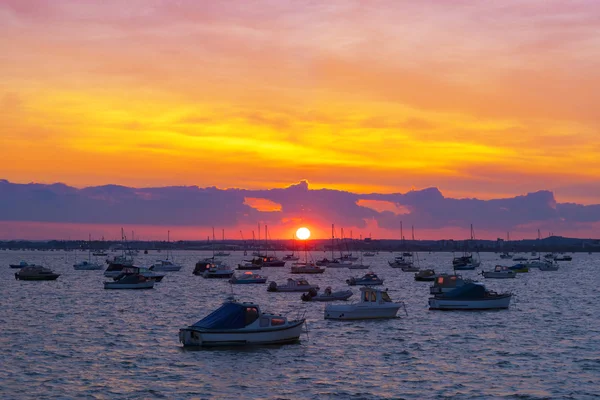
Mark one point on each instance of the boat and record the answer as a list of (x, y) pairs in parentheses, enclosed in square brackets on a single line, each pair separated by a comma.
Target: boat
[(88, 265), (166, 265), (22, 264), (220, 271), (520, 268), (290, 257), (359, 266), (292, 285), (368, 279), (325, 262), (506, 256), (239, 324), (249, 266), (327, 295), (400, 262), (36, 273), (470, 296), (425, 275), (116, 265), (563, 258), (500, 272), (247, 278), (150, 274), (202, 266), (538, 263), (519, 258), (347, 257), (374, 304), (549, 266), (306, 268), (368, 254), (447, 282), (100, 254), (130, 278)]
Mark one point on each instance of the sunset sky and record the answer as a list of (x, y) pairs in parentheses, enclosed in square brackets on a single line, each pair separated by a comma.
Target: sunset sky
[(482, 99)]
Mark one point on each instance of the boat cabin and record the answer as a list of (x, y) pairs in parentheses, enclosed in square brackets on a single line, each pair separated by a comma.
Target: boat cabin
[(445, 283), (234, 315), (370, 295)]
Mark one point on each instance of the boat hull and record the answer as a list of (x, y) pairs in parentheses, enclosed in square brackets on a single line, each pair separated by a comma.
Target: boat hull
[(498, 303), (132, 286), (354, 312), (194, 337), (48, 277)]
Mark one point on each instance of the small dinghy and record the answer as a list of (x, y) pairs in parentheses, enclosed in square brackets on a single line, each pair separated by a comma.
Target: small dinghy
[(241, 324), (368, 279), (246, 278), (426, 275), (36, 273), (499, 272), (292, 285), (327, 295), (374, 304), (130, 278)]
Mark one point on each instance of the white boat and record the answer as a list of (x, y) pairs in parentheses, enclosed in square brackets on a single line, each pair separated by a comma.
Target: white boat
[(306, 268), (370, 279), (239, 324), (87, 266), (247, 278), (374, 304), (218, 271), (549, 266), (292, 285), (165, 266), (327, 295), (500, 272), (130, 279), (470, 296)]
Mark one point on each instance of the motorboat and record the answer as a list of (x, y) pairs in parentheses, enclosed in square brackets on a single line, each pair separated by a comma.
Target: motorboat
[(220, 271), (549, 266), (400, 262), (447, 282), (202, 266), (292, 285), (211, 260), (35, 273), (307, 268), (165, 266), (87, 266), (500, 272), (130, 278), (327, 295), (116, 265), (247, 277), (267, 261), (539, 263), (149, 273), (368, 279), (520, 268), (425, 275), (563, 258), (374, 304), (249, 266), (239, 324), (410, 268), (470, 296), (22, 264), (465, 263), (519, 258)]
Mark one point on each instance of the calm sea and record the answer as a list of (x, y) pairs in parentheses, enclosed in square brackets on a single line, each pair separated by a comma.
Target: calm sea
[(72, 339)]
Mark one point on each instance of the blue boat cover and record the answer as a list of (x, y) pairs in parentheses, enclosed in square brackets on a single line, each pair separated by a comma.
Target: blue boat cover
[(228, 316), (467, 291)]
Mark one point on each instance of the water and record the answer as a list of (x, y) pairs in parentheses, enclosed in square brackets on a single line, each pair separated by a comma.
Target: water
[(72, 339)]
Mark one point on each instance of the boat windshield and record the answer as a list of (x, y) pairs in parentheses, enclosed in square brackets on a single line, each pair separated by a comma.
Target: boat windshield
[(386, 297)]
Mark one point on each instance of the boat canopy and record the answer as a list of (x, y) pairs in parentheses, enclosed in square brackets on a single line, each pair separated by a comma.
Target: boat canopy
[(468, 290), (229, 316)]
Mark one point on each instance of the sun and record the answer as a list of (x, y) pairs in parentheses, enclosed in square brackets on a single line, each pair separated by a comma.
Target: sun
[(303, 233)]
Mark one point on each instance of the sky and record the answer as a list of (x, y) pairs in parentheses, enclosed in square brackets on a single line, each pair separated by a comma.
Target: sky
[(480, 99)]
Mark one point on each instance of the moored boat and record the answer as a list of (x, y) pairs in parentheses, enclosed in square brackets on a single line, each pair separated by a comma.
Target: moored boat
[(470, 296), (130, 278), (500, 272), (36, 273), (220, 271), (425, 275), (292, 285), (246, 278), (307, 268), (22, 264), (238, 324), (87, 266), (368, 279), (520, 268), (563, 258), (374, 304), (165, 266), (327, 295)]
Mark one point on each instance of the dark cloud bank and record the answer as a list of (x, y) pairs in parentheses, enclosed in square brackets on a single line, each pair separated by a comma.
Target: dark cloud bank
[(194, 206)]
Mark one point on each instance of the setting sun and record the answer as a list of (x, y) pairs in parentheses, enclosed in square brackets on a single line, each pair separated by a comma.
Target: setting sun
[(302, 233)]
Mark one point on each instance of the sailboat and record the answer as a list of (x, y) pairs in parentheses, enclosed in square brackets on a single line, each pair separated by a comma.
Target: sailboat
[(506, 254), (466, 261), (88, 265), (334, 262), (291, 257), (221, 253), (166, 265)]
